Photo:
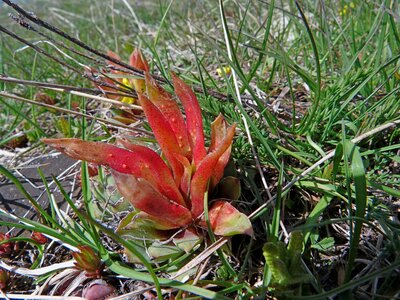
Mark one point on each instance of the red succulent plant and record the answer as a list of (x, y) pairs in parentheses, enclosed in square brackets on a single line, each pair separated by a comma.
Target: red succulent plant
[(7, 248), (169, 194)]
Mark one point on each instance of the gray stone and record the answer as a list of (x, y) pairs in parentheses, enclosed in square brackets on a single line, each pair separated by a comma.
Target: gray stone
[(13, 201)]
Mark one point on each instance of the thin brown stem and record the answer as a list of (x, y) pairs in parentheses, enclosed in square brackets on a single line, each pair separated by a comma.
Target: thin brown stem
[(40, 50), (126, 67), (21, 21)]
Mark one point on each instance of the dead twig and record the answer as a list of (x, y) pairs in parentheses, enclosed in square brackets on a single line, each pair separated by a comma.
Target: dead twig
[(125, 67)]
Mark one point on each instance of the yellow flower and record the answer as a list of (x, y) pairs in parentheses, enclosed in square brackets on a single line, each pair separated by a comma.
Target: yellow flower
[(224, 70), (128, 100)]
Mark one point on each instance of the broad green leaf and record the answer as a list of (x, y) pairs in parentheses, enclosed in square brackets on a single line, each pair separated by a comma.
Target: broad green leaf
[(187, 240), (139, 225)]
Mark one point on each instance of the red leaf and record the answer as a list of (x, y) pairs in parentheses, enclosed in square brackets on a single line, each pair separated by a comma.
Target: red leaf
[(137, 61), (218, 132), (172, 113), (204, 172), (164, 136), (186, 177), (142, 162), (145, 197), (226, 220), (194, 121), (159, 175)]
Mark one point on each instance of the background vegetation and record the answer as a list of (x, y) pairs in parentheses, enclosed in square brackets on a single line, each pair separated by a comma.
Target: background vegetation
[(314, 89)]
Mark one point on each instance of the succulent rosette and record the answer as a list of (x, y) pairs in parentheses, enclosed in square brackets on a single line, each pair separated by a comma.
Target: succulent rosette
[(168, 191)]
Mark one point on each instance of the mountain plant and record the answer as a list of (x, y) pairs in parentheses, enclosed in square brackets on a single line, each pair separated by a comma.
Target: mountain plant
[(169, 192)]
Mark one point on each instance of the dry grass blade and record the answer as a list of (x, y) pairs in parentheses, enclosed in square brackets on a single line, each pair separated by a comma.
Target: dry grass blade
[(40, 297), (201, 257), (38, 271), (73, 90), (40, 50), (124, 67), (6, 78)]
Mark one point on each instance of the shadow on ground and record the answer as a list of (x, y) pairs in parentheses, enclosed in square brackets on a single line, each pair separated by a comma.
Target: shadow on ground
[(58, 165)]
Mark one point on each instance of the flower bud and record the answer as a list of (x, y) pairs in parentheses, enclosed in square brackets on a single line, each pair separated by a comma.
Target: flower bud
[(6, 248), (39, 237), (88, 260)]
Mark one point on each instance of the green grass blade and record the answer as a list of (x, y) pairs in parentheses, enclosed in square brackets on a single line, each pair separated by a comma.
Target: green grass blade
[(360, 185), (21, 188), (276, 218), (122, 269), (305, 125), (354, 283)]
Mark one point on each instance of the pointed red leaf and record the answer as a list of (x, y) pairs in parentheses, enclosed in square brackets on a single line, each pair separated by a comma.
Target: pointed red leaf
[(145, 197), (172, 113), (186, 177), (159, 174), (194, 121), (226, 220), (204, 172), (137, 61), (140, 162), (218, 132), (164, 136)]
